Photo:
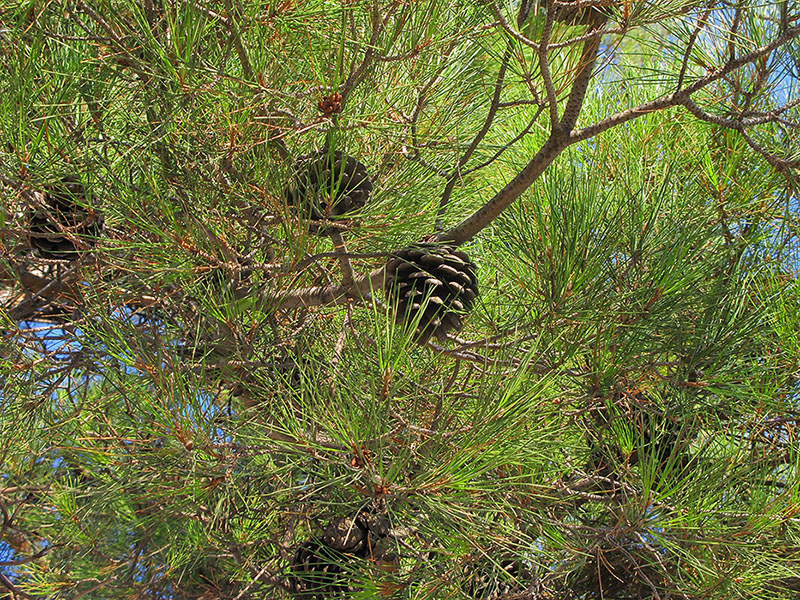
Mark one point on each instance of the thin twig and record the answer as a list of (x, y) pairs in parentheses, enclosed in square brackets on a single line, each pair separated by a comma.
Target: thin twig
[(544, 66), (22, 561), (233, 28), (18, 593), (347, 324), (487, 124), (94, 588), (344, 260), (677, 97), (702, 22), (358, 74), (511, 31), (210, 13), (132, 61), (775, 161), (525, 131), (316, 257)]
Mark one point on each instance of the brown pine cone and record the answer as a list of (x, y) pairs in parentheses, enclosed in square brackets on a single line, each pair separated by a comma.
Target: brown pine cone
[(436, 284)]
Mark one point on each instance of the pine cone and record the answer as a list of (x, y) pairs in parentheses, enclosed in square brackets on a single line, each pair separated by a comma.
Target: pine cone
[(367, 535), (63, 214), (348, 535), (490, 581), (321, 569), (317, 571), (438, 282), (328, 186), (618, 567)]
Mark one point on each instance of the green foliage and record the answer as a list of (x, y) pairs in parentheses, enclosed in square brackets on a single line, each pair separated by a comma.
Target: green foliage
[(188, 405)]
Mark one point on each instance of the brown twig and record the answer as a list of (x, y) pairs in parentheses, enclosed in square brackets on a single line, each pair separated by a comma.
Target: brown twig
[(18, 593), (676, 98), (558, 140), (487, 124), (740, 126), (525, 131), (344, 259), (701, 22), (562, 138), (544, 66), (326, 295)]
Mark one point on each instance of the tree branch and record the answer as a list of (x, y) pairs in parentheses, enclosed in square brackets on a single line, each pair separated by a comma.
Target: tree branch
[(487, 123), (18, 593), (558, 140), (326, 295), (358, 74), (581, 83), (544, 67), (678, 97)]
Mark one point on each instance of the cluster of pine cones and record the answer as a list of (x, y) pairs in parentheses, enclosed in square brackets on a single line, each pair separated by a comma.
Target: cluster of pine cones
[(429, 286)]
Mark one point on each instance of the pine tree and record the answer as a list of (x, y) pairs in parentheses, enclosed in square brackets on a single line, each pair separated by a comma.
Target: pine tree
[(375, 298)]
